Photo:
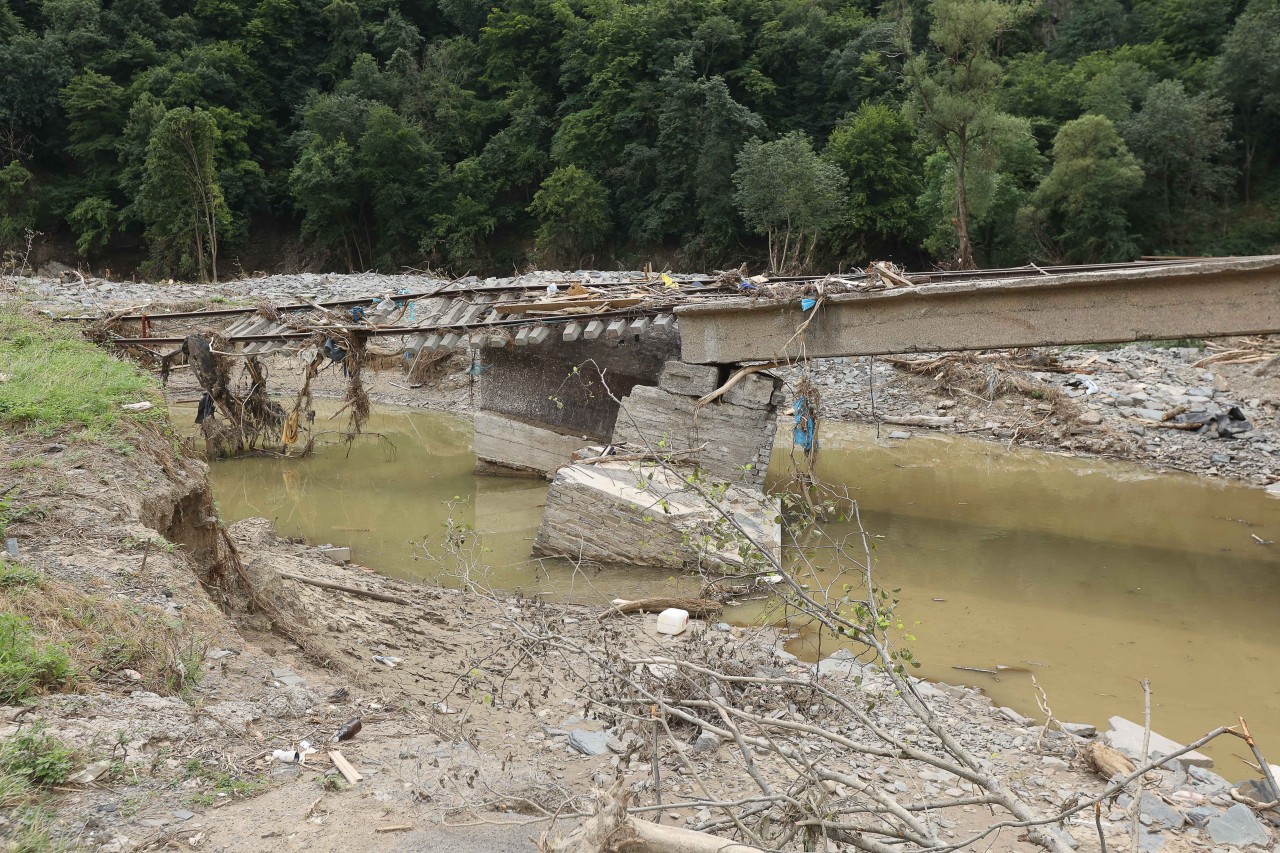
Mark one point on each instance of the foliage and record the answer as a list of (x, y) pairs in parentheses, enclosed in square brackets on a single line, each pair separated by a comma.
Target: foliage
[(1080, 210), (180, 199), (791, 195), (573, 214), (388, 134), (877, 149)]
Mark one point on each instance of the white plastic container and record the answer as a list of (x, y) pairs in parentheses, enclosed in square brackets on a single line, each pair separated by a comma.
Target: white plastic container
[(673, 621)]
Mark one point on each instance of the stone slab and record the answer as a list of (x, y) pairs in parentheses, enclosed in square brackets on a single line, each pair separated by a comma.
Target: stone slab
[(1238, 827), (755, 391), (1126, 736), (739, 440), (639, 514), (523, 446), (691, 380)]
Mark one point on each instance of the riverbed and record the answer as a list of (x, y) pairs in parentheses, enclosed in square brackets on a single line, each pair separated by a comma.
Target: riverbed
[(1090, 575)]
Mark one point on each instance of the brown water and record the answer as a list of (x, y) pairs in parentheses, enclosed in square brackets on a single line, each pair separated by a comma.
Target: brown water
[(1092, 575)]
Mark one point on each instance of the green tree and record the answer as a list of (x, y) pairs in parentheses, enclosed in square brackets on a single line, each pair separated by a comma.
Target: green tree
[(17, 204), (876, 148), (180, 200), (1182, 142), (1247, 74), (789, 194), (1079, 213), (955, 96), (572, 209)]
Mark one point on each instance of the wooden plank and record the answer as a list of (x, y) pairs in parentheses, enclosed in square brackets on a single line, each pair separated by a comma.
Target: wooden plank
[(351, 774)]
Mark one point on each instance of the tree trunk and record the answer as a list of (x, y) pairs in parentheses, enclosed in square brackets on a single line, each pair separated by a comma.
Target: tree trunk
[(965, 254)]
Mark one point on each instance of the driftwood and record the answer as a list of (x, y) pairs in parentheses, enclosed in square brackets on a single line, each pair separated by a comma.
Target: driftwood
[(337, 587), (695, 606), (1107, 762), (921, 420), (666, 455), (612, 830)]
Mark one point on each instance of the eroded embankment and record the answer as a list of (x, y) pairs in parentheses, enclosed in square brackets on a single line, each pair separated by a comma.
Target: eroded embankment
[(481, 716)]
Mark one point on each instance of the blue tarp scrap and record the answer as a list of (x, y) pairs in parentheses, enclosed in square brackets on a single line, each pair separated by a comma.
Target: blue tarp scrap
[(802, 434)]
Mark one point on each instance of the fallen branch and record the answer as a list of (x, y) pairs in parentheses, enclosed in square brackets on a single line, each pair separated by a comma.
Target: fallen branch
[(695, 606), (737, 377), (920, 420), (337, 587)]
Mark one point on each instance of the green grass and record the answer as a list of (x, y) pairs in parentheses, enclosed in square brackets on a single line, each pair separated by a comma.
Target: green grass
[(54, 378)]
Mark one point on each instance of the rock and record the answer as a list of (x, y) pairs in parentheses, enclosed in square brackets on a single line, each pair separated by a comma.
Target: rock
[(1238, 827), (1126, 736), (1208, 778), (899, 435), (706, 742), (1080, 729), (1090, 418), (183, 814), (1162, 815), (1201, 815), (1014, 717), (90, 773), (589, 743), (1054, 761)]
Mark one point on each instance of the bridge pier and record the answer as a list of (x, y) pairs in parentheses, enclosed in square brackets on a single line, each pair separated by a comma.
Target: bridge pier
[(640, 512)]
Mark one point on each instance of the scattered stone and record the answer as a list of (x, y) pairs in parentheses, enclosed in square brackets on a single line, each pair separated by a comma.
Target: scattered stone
[(706, 742), (1080, 729), (899, 435), (1014, 717), (1201, 815), (183, 814), (90, 773), (1161, 814), (589, 743), (1238, 827), (1090, 418)]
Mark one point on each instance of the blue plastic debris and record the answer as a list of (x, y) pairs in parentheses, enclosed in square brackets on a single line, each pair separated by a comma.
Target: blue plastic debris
[(806, 303), (802, 434)]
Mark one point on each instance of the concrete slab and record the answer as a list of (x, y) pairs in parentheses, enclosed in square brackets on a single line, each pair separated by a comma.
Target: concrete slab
[(635, 513), (523, 446)]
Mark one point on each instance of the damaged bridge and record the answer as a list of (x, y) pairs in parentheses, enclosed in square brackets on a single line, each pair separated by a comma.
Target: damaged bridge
[(588, 382)]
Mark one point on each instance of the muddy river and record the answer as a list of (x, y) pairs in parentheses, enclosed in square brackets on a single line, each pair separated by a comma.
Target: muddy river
[(1091, 575)]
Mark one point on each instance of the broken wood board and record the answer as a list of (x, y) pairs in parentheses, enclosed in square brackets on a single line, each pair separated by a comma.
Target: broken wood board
[(348, 772)]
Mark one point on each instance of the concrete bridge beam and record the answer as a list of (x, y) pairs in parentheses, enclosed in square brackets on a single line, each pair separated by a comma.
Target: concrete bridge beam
[(1195, 300)]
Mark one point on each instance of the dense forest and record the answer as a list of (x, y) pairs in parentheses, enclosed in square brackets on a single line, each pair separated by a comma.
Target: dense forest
[(379, 134)]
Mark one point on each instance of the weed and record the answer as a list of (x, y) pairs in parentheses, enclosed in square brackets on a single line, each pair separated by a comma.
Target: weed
[(16, 575), (37, 756), (26, 663), (58, 379)]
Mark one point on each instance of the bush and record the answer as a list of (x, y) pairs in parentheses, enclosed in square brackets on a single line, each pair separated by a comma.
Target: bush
[(27, 665), (37, 757)]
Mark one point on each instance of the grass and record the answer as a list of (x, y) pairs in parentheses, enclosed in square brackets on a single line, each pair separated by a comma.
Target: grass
[(29, 761), (54, 378), (52, 636)]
